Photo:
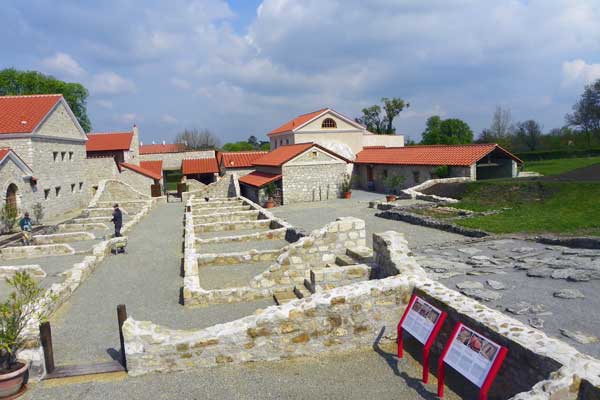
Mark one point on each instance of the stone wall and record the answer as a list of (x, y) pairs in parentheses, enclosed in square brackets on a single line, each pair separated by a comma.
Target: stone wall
[(11, 174), (303, 183), (113, 190), (172, 161), (97, 169), (139, 182), (224, 187)]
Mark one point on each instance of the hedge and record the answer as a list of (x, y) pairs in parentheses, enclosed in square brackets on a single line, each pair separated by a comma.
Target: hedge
[(554, 154)]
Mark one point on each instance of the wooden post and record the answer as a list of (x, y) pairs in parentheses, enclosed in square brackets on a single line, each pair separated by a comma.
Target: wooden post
[(121, 317), (46, 339)]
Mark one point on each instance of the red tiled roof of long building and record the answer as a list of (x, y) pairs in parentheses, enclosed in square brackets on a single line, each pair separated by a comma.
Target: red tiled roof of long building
[(283, 154), (162, 148), (259, 179), (200, 166), (108, 141), (154, 166), (22, 114), (296, 122), (240, 159), (453, 155), (141, 170)]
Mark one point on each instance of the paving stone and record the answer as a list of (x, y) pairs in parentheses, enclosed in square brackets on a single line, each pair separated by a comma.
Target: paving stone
[(481, 258), (537, 309), (540, 272), (579, 336), (469, 285), (519, 308), (536, 322), (469, 250), (569, 294), (482, 294), (495, 284), (562, 273), (524, 249), (579, 276)]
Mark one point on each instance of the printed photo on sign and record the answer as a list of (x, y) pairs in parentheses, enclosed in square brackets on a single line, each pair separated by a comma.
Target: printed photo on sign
[(472, 355), (421, 319)]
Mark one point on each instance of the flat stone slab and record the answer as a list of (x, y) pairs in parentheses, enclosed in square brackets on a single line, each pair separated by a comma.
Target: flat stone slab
[(8, 271), (482, 294), (469, 285), (579, 336), (495, 284), (569, 294)]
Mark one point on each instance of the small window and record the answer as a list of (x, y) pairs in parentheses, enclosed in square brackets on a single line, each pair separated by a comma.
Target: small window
[(328, 123), (62, 155), (72, 188), (416, 176), (287, 141), (313, 154), (80, 186), (55, 155), (385, 173), (57, 191), (46, 194), (70, 156)]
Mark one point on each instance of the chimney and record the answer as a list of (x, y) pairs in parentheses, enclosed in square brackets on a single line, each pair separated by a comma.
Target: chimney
[(134, 150)]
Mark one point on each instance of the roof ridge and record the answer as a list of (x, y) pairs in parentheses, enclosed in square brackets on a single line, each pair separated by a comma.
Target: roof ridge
[(12, 96), (108, 133)]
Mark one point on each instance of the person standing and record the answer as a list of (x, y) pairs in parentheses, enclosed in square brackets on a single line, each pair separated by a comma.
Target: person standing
[(26, 227), (117, 219)]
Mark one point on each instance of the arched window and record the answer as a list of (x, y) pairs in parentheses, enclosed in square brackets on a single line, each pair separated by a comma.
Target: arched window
[(328, 123), (11, 196)]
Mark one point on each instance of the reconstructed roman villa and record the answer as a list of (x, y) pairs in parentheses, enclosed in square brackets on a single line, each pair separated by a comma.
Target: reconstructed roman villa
[(212, 280)]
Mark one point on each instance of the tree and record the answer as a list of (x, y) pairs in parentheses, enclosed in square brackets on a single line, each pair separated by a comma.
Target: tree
[(195, 139), (432, 133), (238, 146), (382, 124), (501, 130), (14, 82), (586, 112), (265, 146), (529, 133), (448, 131), (253, 141)]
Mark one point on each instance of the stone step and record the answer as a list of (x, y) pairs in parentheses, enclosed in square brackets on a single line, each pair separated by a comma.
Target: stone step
[(343, 259), (284, 296), (362, 254)]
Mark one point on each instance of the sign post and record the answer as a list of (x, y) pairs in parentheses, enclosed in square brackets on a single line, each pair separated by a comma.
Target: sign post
[(474, 356), (423, 321)]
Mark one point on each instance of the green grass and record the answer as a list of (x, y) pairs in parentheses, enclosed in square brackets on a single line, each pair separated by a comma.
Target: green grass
[(570, 208), (558, 166)]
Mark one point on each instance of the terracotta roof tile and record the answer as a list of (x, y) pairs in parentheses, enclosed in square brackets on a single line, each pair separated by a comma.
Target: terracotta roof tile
[(4, 152), (457, 155), (240, 159), (200, 166), (299, 120), (140, 170), (283, 154), (162, 148), (154, 166), (22, 114), (109, 141), (259, 179)]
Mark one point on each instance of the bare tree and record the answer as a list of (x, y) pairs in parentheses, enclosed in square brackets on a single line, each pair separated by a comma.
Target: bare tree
[(196, 139), (529, 133), (502, 126)]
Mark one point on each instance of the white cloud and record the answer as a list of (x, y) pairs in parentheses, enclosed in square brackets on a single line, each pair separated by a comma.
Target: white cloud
[(62, 64), (111, 83), (128, 118), (578, 71), (168, 119), (104, 104), (181, 83)]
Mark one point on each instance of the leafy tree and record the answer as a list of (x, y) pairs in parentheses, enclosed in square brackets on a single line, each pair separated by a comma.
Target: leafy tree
[(586, 112), (14, 82), (238, 146), (382, 124), (448, 131), (253, 141), (196, 139), (265, 146), (529, 133)]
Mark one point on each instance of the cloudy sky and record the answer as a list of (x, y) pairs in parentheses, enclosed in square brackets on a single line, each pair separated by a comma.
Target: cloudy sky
[(242, 67)]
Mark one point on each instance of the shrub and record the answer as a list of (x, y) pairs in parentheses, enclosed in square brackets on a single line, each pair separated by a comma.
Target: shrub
[(393, 183), (346, 184), (8, 217), (442, 171), (38, 212)]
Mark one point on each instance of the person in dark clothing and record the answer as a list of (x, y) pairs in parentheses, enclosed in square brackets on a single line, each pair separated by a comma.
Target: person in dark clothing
[(117, 219)]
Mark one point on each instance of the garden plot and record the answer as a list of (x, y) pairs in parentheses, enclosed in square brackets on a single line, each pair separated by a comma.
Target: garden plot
[(552, 288)]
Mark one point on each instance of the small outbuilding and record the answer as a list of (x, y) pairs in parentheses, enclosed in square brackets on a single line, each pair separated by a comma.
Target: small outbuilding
[(205, 170)]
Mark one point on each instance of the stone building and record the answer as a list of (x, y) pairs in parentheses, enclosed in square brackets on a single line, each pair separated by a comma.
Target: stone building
[(302, 173), (205, 170), (171, 154), (332, 130), (122, 146), (239, 162), (416, 164), (43, 132)]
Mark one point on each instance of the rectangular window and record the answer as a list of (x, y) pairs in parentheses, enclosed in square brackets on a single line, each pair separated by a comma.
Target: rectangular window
[(55, 155), (385, 173), (62, 155), (57, 191), (80, 186), (416, 176), (70, 156), (72, 187), (46, 194)]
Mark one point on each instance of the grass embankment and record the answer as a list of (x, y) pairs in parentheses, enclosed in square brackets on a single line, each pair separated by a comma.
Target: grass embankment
[(559, 166), (570, 208)]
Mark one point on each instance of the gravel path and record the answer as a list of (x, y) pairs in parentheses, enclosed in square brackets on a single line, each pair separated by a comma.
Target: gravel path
[(357, 375), (224, 276), (310, 216), (147, 280)]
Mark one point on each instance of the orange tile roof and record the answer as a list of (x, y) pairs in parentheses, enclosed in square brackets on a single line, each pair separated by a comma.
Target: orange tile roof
[(240, 159), (296, 122), (259, 179), (4, 152), (283, 154), (162, 148), (454, 155), (154, 166), (200, 166), (140, 170), (108, 141), (22, 114)]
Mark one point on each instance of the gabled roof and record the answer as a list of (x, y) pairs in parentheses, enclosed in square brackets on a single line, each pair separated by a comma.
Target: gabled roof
[(154, 166), (23, 114), (162, 148), (283, 154), (239, 159), (8, 153), (301, 120), (259, 179), (453, 155), (200, 166), (141, 170), (109, 141)]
